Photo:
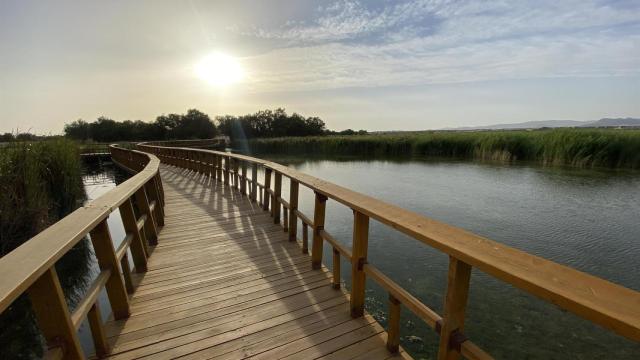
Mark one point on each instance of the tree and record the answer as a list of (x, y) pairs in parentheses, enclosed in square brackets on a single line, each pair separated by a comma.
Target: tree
[(269, 123)]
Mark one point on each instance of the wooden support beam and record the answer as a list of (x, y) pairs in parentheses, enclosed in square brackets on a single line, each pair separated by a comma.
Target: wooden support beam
[(139, 246), (254, 181), (358, 277), (393, 330), (236, 185), (267, 186), (305, 238), (318, 224), (455, 304), (293, 206), (150, 227), (219, 168), (107, 260), (126, 273), (336, 269), (243, 185), (277, 191), (52, 315), (158, 211), (97, 331), (227, 169)]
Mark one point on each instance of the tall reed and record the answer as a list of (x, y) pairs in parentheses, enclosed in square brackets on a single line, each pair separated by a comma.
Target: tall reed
[(40, 182), (613, 148)]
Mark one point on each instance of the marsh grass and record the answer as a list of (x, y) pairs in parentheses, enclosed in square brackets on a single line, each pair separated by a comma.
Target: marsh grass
[(40, 182), (612, 148)]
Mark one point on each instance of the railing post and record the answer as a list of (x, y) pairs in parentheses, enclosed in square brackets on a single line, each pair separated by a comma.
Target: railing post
[(202, 166), (158, 181), (393, 330), (267, 186), (305, 238), (150, 228), (243, 185), (106, 255), (254, 181), (219, 167), (97, 331), (52, 315), (227, 167), (318, 224), (138, 245), (293, 207), (285, 219), (358, 278), (455, 304), (236, 176), (158, 211), (277, 191), (212, 166), (336, 269)]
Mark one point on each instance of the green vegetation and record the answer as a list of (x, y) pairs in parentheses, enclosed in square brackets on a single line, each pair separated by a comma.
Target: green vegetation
[(192, 125), (197, 125), (40, 183), (579, 147)]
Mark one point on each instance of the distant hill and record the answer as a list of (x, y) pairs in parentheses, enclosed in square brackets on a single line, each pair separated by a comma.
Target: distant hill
[(606, 122)]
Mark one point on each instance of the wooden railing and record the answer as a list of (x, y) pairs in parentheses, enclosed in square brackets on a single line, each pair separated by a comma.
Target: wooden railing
[(609, 305), (31, 267)]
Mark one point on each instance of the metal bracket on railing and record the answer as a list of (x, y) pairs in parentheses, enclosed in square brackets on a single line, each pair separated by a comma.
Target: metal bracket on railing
[(456, 340)]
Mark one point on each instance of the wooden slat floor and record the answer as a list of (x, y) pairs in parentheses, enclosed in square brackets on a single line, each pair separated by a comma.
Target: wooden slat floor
[(224, 283)]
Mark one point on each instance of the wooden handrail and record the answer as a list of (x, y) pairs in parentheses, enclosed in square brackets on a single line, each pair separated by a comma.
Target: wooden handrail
[(31, 267), (610, 305)]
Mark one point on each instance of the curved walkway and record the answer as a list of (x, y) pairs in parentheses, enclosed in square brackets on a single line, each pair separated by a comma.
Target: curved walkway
[(225, 283)]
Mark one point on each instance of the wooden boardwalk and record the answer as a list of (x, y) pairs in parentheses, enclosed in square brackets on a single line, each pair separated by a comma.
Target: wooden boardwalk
[(216, 277), (224, 282)]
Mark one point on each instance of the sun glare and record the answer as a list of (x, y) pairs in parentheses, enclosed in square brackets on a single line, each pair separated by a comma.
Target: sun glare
[(219, 69)]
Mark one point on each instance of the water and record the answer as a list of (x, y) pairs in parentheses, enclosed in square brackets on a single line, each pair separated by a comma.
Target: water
[(586, 219), (99, 177)]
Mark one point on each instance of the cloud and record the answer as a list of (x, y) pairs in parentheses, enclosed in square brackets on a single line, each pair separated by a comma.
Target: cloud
[(351, 43)]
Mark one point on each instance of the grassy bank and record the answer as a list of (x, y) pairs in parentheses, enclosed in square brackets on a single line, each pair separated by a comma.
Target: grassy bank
[(40, 183), (579, 147)]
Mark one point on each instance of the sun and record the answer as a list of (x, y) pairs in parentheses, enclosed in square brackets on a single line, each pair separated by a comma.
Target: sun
[(219, 69)]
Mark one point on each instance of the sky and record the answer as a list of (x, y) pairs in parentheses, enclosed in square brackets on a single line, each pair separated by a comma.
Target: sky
[(375, 65)]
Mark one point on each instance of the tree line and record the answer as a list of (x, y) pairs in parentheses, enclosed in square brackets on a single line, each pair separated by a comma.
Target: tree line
[(198, 125)]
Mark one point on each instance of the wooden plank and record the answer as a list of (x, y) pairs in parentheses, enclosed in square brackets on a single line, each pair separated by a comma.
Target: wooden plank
[(455, 304), (97, 331), (318, 224), (393, 330), (52, 315), (106, 256), (293, 207), (150, 225), (427, 315), (336, 244), (267, 185), (358, 259), (90, 297), (335, 281)]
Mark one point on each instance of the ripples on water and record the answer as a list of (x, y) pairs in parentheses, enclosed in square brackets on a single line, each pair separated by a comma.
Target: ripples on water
[(586, 219)]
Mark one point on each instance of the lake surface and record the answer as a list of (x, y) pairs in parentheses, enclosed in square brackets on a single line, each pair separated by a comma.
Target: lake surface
[(583, 218), (587, 219)]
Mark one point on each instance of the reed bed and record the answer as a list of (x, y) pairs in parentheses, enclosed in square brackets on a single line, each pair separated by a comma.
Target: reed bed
[(40, 182), (614, 148)]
